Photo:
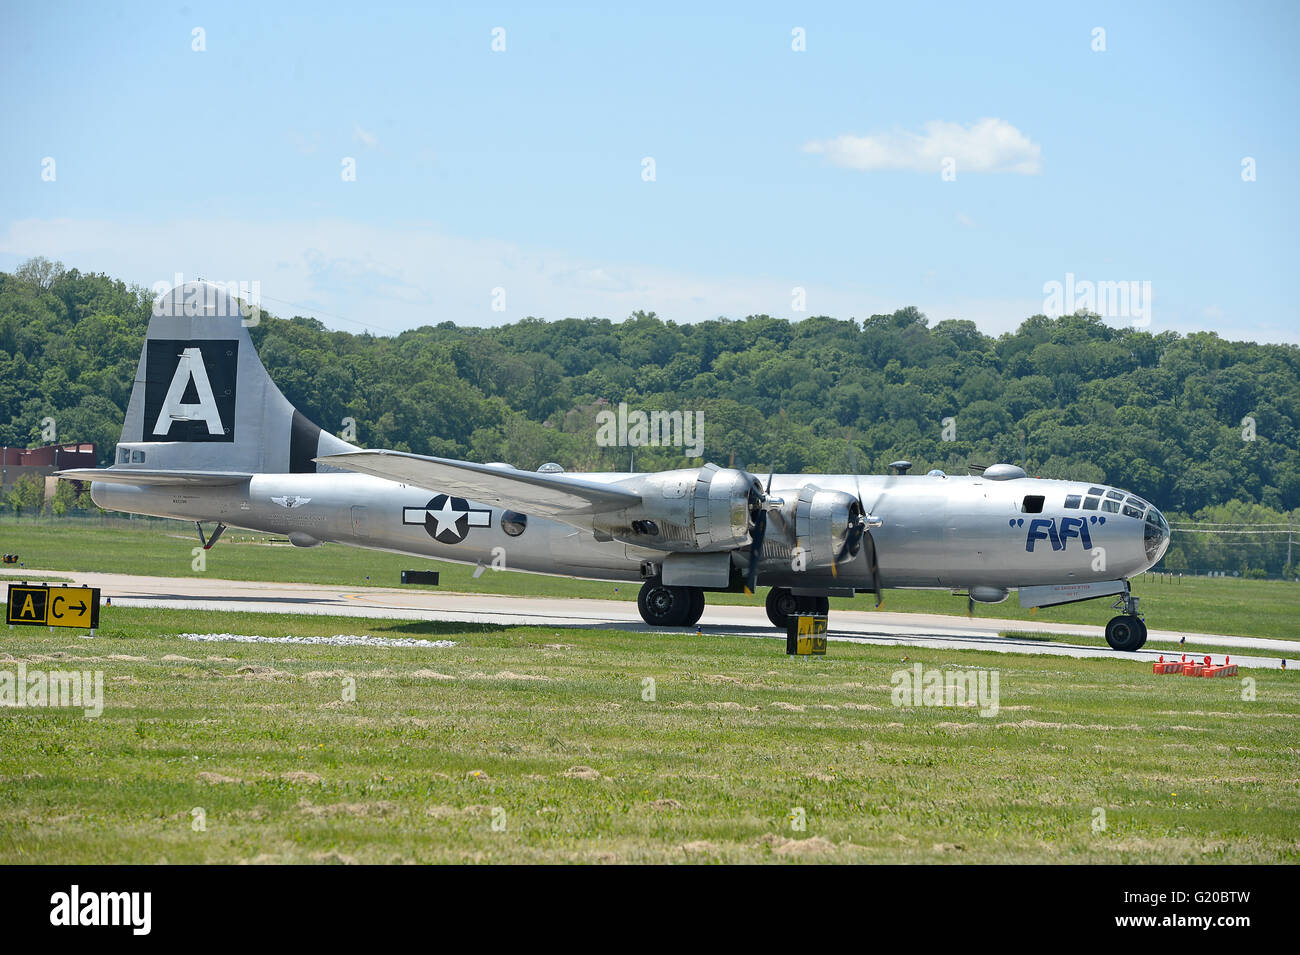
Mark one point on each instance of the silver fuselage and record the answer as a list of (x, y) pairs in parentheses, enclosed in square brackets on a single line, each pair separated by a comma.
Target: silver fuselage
[(936, 531)]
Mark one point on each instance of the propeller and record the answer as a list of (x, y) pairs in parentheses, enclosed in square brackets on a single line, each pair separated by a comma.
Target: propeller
[(853, 538), (859, 533), (758, 508)]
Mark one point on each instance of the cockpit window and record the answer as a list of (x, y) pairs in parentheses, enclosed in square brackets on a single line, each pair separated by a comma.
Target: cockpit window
[(1116, 495), (1110, 507), (1090, 504), (1099, 491), (1072, 500), (1131, 511)]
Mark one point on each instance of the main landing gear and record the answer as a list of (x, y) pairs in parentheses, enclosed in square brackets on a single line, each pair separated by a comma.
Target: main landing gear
[(1128, 631), (782, 605), (663, 606)]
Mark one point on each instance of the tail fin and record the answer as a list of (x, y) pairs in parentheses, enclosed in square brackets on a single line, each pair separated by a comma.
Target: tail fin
[(202, 400)]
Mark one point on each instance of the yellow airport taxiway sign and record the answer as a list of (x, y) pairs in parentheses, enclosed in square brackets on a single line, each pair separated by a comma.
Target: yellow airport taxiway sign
[(806, 635), (39, 605)]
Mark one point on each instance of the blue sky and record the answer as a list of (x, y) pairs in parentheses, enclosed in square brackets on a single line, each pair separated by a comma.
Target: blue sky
[(775, 169)]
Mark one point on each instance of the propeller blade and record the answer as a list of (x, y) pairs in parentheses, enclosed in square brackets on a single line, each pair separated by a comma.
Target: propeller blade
[(755, 550), (875, 567), (758, 502)]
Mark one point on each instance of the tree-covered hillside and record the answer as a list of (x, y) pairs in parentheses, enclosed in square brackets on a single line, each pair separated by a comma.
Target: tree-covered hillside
[(1161, 414)]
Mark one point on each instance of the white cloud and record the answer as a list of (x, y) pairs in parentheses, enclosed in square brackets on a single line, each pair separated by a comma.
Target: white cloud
[(989, 145)]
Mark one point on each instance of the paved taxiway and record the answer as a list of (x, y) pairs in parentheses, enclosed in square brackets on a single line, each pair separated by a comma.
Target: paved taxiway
[(867, 626)]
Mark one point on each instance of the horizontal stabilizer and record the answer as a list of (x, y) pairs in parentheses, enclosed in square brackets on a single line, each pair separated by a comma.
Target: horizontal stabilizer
[(144, 478), (547, 495)]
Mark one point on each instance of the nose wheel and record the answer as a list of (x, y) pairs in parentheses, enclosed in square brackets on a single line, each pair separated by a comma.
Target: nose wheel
[(1128, 631)]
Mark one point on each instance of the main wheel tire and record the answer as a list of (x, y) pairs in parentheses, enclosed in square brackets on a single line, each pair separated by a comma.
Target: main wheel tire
[(662, 606), (697, 607), (780, 606), (1126, 633)]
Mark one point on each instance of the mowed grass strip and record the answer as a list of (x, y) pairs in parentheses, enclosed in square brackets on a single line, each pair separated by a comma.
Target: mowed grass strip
[(558, 739), (158, 548)]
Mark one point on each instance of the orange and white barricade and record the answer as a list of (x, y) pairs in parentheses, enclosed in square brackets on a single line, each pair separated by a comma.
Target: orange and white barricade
[(1162, 666), (1227, 668)]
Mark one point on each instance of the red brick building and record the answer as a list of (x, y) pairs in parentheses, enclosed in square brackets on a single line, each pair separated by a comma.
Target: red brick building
[(18, 463)]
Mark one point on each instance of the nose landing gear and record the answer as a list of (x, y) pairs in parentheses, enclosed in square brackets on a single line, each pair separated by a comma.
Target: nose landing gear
[(1127, 632)]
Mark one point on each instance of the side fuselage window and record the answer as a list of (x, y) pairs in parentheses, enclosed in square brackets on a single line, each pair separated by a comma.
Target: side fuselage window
[(1032, 504)]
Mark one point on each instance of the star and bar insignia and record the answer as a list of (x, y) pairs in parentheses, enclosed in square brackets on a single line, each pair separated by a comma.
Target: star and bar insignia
[(447, 519)]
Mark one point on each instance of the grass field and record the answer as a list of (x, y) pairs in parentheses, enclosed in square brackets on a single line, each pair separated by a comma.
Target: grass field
[(1252, 608), (551, 736)]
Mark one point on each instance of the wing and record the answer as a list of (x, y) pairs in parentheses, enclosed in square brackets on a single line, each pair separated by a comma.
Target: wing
[(559, 496), (144, 477)]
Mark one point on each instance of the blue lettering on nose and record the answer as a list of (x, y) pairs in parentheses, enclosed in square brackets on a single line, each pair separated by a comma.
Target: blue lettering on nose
[(1076, 527), (1041, 529)]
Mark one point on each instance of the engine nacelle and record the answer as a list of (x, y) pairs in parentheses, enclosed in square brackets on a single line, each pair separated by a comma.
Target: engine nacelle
[(691, 509), (821, 524)]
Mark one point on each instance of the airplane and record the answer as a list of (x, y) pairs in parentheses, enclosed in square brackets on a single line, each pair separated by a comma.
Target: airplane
[(209, 438)]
